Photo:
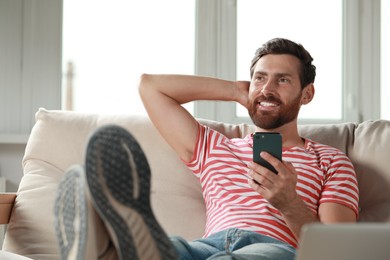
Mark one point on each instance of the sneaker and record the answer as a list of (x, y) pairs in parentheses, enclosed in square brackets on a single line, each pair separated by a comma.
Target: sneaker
[(118, 176), (80, 232), (71, 215)]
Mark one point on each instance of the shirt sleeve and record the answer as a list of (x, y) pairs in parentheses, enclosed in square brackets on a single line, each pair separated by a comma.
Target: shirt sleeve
[(195, 164), (340, 184)]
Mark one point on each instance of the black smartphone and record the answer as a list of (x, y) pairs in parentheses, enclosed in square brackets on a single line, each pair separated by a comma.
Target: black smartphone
[(267, 142)]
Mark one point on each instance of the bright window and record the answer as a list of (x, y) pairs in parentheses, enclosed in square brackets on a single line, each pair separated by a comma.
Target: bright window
[(111, 43), (385, 59), (317, 25)]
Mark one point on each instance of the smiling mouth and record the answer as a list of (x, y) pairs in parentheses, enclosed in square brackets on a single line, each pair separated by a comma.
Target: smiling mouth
[(268, 104)]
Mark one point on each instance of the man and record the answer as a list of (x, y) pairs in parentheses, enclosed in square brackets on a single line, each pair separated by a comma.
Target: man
[(282, 78), (313, 183)]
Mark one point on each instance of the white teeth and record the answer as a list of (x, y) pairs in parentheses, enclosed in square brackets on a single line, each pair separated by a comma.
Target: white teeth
[(267, 104)]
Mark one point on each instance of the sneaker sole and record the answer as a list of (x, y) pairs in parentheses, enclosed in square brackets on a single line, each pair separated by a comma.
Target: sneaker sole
[(71, 215), (118, 176)]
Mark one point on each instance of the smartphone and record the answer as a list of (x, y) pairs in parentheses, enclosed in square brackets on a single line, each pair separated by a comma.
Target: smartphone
[(267, 142)]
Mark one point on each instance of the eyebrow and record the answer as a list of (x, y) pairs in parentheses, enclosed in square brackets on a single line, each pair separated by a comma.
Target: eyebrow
[(261, 73), (279, 74)]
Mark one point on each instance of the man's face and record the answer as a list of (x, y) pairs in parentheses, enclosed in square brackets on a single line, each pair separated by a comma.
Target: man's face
[(275, 91)]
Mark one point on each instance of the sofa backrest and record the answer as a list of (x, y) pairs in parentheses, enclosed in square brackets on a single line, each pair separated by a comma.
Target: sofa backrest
[(58, 140)]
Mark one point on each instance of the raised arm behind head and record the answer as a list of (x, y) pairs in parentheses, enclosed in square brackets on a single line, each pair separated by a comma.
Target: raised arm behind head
[(163, 96)]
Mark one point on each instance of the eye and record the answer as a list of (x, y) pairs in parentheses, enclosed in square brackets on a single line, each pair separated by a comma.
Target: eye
[(284, 80), (259, 78)]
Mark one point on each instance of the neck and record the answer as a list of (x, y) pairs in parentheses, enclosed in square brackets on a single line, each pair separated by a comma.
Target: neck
[(289, 132)]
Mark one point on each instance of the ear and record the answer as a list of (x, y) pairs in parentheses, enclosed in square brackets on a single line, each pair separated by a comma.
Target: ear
[(307, 94)]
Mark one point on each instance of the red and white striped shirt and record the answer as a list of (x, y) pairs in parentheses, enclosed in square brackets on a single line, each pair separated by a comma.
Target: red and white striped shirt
[(325, 174)]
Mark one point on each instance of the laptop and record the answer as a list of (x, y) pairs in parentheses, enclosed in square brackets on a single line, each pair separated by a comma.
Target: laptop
[(361, 241)]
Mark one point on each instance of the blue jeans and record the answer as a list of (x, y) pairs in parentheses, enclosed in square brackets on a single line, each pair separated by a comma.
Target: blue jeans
[(233, 244)]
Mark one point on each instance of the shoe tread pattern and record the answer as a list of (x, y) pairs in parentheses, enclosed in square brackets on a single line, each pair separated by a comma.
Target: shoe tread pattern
[(117, 168)]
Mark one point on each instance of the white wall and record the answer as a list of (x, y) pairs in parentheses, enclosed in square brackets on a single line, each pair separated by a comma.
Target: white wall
[(11, 156), (30, 74)]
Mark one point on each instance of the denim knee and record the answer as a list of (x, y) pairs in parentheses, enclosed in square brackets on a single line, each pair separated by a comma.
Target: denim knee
[(199, 249), (182, 248)]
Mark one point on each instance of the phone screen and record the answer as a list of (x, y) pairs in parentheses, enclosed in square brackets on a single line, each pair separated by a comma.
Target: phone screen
[(270, 143)]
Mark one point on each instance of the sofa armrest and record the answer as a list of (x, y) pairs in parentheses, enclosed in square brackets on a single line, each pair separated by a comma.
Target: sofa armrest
[(7, 201)]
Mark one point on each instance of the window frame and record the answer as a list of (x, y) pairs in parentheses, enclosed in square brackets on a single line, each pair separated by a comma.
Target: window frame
[(216, 51)]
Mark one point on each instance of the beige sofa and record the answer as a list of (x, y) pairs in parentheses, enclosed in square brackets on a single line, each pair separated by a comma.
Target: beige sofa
[(58, 141)]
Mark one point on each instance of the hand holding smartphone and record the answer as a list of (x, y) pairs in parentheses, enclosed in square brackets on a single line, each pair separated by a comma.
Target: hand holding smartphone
[(267, 142)]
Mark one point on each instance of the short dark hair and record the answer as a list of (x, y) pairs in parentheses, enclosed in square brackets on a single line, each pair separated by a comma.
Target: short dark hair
[(284, 46)]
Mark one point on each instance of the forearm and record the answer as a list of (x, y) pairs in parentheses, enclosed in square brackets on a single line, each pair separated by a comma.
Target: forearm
[(297, 215), (185, 88)]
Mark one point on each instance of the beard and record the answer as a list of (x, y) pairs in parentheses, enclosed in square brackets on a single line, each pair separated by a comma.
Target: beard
[(271, 120)]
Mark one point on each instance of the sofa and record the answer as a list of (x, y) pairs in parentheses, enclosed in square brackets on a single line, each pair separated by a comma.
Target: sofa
[(58, 140)]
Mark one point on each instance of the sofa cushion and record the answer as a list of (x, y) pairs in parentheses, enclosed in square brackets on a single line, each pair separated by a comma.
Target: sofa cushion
[(371, 158)]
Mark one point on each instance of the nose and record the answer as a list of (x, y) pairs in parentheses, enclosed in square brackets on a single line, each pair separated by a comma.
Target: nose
[(268, 88)]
